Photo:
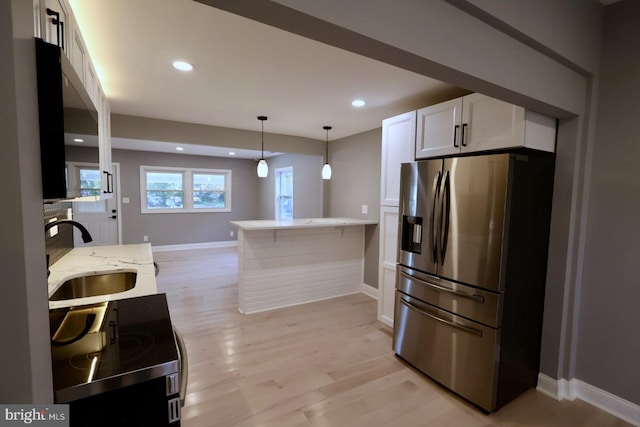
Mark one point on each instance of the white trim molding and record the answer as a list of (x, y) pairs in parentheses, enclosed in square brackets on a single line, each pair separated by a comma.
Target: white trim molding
[(370, 291), (575, 389), (187, 246)]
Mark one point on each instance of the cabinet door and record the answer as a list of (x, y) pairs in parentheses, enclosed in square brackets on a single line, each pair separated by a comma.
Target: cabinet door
[(78, 53), (398, 141), (490, 124), (387, 263), (438, 131)]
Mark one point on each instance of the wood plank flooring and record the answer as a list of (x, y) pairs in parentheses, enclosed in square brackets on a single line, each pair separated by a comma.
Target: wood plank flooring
[(327, 363)]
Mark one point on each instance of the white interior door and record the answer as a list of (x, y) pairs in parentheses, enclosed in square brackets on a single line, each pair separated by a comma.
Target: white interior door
[(100, 218)]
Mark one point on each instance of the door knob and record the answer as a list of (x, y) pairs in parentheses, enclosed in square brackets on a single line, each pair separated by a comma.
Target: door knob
[(113, 217)]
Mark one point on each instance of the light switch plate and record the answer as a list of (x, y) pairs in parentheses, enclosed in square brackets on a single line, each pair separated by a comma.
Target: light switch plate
[(125, 200), (365, 209)]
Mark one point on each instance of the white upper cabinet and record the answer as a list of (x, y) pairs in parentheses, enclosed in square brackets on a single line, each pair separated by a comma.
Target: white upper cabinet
[(78, 53), (398, 140), (480, 123), (438, 132), (57, 25)]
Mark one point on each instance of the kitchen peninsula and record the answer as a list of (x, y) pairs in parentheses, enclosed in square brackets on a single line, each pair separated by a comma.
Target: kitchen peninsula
[(289, 262)]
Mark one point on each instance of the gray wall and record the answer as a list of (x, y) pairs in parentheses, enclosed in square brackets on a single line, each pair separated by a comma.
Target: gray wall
[(174, 229), (608, 344), (180, 228), (144, 128), (355, 181), (253, 197), (25, 365), (307, 186)]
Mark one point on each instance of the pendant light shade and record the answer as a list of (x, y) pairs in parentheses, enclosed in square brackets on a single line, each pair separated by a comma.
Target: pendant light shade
[(263, 168), (326, 169)]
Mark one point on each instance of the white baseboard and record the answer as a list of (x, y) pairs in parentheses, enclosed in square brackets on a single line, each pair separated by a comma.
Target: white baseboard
[(184, 247), (571, 389), (370, 290)]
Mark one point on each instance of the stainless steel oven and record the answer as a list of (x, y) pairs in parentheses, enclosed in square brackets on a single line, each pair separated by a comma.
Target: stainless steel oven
[(118, 363)]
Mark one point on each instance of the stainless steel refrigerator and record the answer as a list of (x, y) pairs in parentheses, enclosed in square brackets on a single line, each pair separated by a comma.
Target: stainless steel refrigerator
[(472, 256)]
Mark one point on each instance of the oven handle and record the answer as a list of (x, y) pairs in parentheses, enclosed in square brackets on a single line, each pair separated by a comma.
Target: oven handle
[(466, 329), (474, 297), (184, 364)]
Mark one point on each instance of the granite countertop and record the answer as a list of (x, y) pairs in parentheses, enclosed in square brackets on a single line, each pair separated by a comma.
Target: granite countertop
[(91, 260), (300, 223)]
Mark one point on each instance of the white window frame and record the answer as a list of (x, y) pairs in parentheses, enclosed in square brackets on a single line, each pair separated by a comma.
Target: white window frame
[(187, 189), (277, 173)]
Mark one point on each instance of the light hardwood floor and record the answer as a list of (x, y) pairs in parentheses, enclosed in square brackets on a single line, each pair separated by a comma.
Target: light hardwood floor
[(327, 363)]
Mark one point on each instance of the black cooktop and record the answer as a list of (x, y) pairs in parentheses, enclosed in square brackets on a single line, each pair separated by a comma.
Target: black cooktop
[(101, 347)]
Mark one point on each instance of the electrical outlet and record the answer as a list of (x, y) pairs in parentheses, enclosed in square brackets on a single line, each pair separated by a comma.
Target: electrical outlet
[(53, 230), (145, 238), (231, 233), (365, 209)]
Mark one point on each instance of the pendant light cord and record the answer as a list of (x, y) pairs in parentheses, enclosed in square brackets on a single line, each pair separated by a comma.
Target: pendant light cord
[(326, 154), (262, 119)]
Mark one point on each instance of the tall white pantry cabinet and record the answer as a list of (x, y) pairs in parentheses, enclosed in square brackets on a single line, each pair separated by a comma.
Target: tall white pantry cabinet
[(398, 142)]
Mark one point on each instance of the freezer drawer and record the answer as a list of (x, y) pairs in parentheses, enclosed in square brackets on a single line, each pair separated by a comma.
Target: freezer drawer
[(473, 303), (460, 354)]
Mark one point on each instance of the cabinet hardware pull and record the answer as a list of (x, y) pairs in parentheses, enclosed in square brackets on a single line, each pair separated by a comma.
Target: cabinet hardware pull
[(59, 26), (464, 141), (455, 136)]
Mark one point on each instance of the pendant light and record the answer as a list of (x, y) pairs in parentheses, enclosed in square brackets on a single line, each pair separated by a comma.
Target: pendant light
[(263, 168), (326, 169)]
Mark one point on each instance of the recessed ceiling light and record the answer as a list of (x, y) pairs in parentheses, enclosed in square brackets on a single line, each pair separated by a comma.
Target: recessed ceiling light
[(182, 66), (179, 149), (232, 153), (78, 140), (358, 103)]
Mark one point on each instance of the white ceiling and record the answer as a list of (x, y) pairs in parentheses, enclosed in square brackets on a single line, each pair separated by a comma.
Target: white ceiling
[(242, 69)]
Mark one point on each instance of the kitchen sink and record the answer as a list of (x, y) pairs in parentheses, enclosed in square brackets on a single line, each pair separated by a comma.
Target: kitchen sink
[(94, 285)]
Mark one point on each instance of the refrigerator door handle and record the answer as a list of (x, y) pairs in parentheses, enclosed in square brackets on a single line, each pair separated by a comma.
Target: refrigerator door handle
[(444, 215), (434, 222), (463, 328), (474, 297)]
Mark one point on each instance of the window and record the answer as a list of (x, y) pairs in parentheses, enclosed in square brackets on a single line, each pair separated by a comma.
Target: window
[(284, 193), (209, 191), (164, 190), (83, 180), (179, 190), (89, 181)]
